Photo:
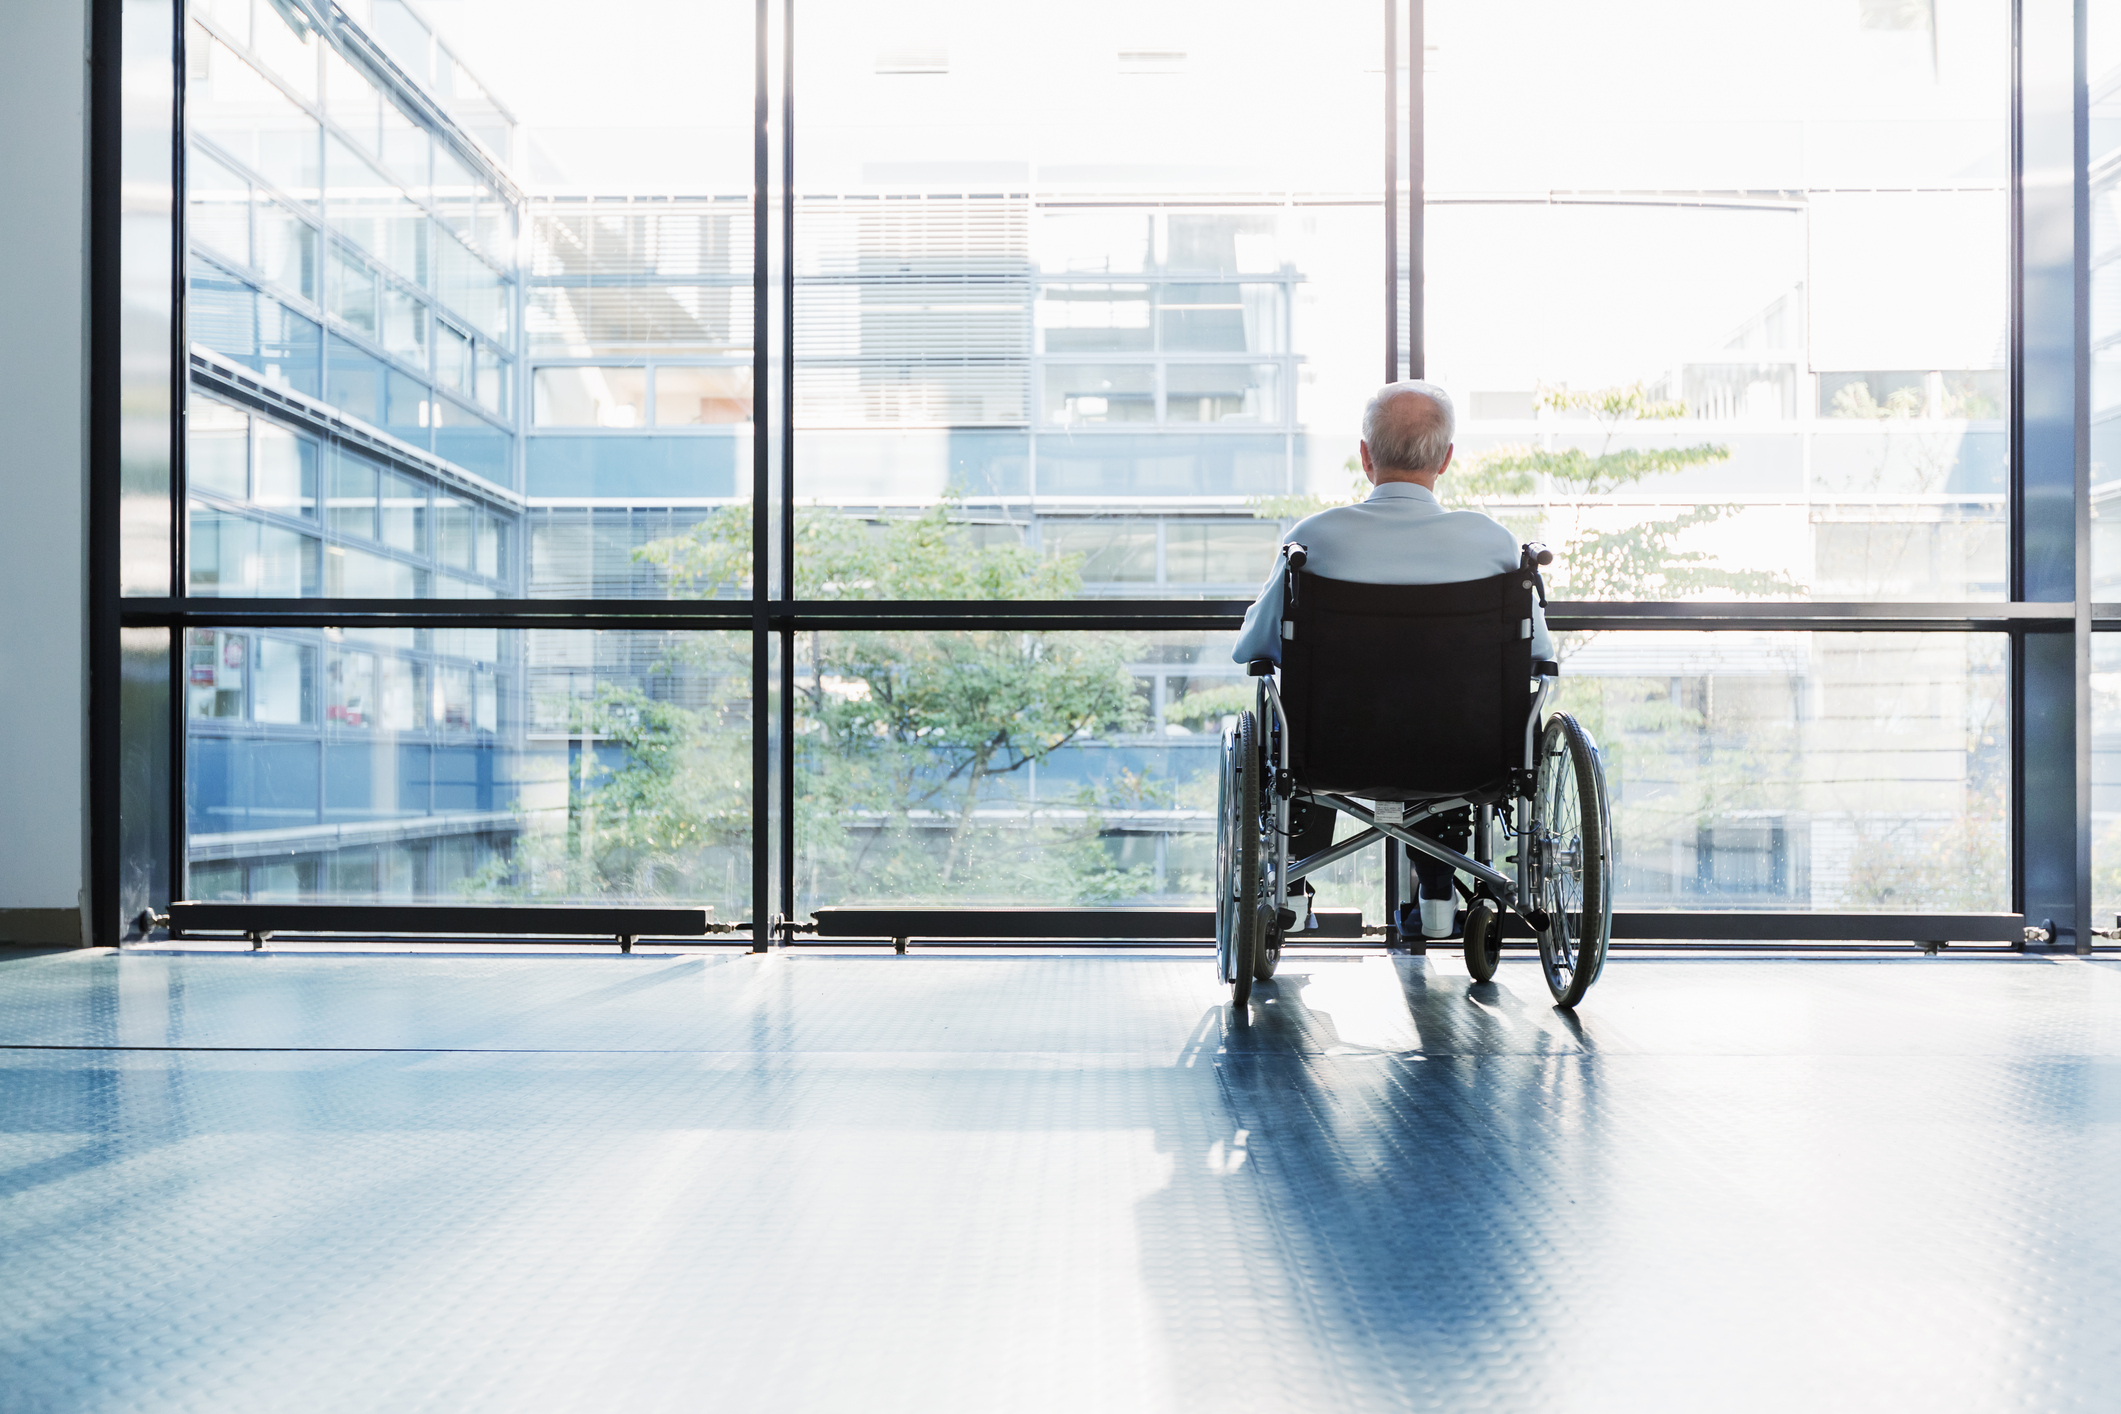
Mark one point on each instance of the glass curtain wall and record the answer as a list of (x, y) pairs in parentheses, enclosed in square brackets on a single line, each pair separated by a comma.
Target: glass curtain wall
[(1080, 313)]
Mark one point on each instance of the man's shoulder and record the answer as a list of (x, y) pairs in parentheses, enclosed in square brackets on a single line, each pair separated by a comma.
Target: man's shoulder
[(1471, 523), (1329, 521)]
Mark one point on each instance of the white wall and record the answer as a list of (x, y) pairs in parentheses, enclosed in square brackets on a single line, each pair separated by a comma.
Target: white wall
[(43, 468)]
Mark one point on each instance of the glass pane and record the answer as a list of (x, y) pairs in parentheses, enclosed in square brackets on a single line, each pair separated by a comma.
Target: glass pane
[(469, 765), (287, 250), (145, 772), (217, 208), (2103, 63), (591, 397), (248, 118), (1088, 394), (1094, 319), (147, 295), (1749, 338), (1222, 392), (217, 449), (1226, 559), (353, 293), (258, 527), (1049, 274), (1791, 771), (352, 508), (699, 397), (1088, 778), (2106, 774), (408, 270)]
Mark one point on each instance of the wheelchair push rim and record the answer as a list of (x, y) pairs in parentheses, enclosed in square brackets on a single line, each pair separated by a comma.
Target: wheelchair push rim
[(1572, 844)]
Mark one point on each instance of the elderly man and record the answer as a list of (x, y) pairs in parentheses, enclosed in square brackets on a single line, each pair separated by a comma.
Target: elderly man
[(1399, 534)]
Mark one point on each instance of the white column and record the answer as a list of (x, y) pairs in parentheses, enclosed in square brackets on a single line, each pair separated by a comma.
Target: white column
[(43, 469)]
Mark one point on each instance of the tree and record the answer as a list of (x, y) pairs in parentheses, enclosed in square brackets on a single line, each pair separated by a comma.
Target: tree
[(1642, 557), (914, 751)]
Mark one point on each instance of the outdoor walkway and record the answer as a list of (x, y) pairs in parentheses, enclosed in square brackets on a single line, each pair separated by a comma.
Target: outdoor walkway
[(300, 1182)]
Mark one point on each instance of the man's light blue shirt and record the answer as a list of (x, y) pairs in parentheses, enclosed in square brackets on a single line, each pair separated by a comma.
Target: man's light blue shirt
[(1400, 534)]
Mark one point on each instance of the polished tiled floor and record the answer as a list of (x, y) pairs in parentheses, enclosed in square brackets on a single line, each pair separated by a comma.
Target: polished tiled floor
[(309, 1183)]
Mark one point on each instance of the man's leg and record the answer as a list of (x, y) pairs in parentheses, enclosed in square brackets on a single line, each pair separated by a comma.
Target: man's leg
[(1310, 831), (1439, 902), (1310, 828)]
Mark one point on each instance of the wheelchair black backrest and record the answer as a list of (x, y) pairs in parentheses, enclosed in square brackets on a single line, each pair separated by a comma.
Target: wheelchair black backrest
[(1401, 691)]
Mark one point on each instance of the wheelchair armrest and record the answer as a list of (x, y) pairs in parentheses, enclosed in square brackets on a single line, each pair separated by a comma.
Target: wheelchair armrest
[(1546, 668), (1260, 668)]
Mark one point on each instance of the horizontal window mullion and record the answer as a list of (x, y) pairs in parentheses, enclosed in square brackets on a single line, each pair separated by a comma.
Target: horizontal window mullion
[(1053, 615)]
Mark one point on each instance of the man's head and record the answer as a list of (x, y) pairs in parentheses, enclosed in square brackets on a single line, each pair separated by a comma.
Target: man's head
[(1406, 433)]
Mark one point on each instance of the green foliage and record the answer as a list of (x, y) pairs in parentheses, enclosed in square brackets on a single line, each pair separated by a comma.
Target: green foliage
[(1295, 508), (657, 798), (1857, 400), (914, 750), (1556, 494), (1204, 708)]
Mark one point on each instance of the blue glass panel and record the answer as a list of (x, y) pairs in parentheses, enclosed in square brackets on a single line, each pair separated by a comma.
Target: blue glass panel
[(221, 312), (1159, 464), (349, 771), (479, 447), (1982, 464), (634, 466), (405, 409), (463, 778), (246, 784), (990, 463), (290, 347), (355, 381), (414, 794)]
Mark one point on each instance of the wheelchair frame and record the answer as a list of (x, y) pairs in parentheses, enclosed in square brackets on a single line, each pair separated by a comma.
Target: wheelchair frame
[(1517, 793), (1395, 819)]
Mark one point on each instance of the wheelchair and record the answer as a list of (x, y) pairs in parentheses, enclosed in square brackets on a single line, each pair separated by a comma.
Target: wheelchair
[(1361, 721)]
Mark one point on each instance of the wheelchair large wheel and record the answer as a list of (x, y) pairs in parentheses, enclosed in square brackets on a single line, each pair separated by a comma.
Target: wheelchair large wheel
[(1267, 948), (1237, 861), (1572, 847)]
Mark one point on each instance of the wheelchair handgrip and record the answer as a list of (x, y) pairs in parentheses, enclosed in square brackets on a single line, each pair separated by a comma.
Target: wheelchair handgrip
[(1546, 668), (1296, 555)]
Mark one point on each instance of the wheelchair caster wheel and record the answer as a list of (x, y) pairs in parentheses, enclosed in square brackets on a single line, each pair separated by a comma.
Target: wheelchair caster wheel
[(1483, 935)]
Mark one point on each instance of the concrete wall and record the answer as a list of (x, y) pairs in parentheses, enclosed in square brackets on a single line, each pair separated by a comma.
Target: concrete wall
[(43, 469)]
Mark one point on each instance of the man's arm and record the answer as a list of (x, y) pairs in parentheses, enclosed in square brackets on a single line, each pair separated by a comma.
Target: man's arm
[(1542, 641), (1261, 635)]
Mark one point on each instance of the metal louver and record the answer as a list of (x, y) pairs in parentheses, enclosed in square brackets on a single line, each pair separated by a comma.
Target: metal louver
[(913, 312)]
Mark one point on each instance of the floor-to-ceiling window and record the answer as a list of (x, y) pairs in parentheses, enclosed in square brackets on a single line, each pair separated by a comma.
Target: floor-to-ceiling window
[(706, 453)]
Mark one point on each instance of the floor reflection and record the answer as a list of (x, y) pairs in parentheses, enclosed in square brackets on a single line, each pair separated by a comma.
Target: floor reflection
[(1067, 1183)]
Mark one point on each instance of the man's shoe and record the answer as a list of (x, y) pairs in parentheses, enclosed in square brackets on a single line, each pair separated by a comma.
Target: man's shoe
[(1439, 917)]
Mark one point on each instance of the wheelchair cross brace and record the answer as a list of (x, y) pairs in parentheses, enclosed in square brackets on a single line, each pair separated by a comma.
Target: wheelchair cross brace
[(1354, 843), (1505, 887)]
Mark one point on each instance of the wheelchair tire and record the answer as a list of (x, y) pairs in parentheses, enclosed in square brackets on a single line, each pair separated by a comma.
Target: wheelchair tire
[(1572, 840), (1267, 946), (1237, 860), (1483, 938)]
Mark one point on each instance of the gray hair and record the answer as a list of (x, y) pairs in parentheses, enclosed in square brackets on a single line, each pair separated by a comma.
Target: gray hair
[(1409, 443)]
